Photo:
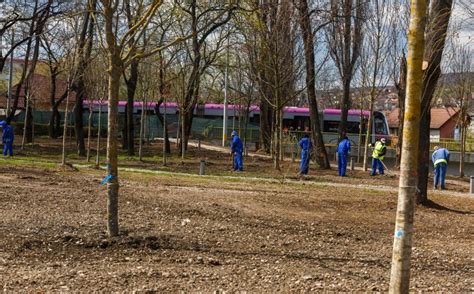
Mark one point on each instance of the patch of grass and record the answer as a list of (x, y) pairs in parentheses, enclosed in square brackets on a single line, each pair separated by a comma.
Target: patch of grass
[(30, 162)]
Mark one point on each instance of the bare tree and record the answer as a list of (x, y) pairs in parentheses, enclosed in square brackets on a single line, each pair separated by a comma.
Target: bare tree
[(308, 39), (344, 36), (201, 21), (119, 58), (375, 56), (439, 16), (85, 44), (460, 88)]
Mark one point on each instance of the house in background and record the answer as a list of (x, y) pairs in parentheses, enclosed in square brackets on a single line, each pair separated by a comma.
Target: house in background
[(442, 126)]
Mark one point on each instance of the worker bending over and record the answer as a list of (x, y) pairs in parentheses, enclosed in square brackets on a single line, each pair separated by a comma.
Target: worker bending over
[(440, 159), (306, 146), (343, 150), (237, 149)]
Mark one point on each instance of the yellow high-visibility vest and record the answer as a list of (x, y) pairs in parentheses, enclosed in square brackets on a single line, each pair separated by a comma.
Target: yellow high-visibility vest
[(378, 150)]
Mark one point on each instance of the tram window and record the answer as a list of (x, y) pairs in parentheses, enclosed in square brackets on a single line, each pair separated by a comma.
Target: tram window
[(332, 126), (380, 127)]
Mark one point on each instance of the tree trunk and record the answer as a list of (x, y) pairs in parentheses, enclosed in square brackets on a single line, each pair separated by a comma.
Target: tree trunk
[(402, 244), (142, 126), (99, 127), (368, 136), (401, 89), (27, 122), (265, 126), (78, 118), (463, 149), (66, 114), (54, 123), (115, 72), (440, 12), (183, 135), (308, 41), (89, 132), (345, 105), (130, 126), (85, 50), (164, 124), (276, 140)]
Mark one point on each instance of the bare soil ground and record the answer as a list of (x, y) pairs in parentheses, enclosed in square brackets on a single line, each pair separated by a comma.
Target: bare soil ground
[(220, 234), (207, 235)]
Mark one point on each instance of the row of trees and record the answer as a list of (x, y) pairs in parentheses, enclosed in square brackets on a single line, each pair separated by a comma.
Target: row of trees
[(268, 52)]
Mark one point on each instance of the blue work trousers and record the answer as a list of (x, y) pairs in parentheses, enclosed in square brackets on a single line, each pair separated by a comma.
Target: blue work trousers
[(8, 149), (238, 163), (376, 163), (342, 163), (304, 164), (440, 175)]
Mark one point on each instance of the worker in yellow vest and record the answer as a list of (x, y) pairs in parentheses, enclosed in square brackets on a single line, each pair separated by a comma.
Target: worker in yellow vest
[(440, 159), (377, 156)]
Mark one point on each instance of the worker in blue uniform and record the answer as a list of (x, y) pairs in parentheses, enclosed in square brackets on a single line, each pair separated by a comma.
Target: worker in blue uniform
[(306, 146), (440, 159), (343, 150), (377, 157), (237, 149), (7, 138)]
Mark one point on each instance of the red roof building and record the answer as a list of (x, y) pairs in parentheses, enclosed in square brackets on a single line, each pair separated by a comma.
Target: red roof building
[(40, 93), (442, 125)]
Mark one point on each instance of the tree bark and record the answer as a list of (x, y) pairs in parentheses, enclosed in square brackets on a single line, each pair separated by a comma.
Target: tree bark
[(265, 126), (440, 12), (85, 50), (99, 127), (115, 72), (129, 122), (402, 244), (401, 89), (89, 132), (308, 41), (164, 124)]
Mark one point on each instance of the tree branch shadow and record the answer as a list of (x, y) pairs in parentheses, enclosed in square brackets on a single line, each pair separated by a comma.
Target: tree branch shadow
[(433, 205)]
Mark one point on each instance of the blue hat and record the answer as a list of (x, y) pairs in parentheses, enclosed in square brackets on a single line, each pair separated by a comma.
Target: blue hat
[(234, 133), (3, 123)]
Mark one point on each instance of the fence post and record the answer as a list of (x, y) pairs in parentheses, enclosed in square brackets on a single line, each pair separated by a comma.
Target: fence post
[(293, 154), (202, 166), (471, 187), (352, 163)]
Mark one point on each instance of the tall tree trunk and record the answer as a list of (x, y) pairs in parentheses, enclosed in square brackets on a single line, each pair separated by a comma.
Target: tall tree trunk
[(130, 125), (368, 135), (402, 244), (276, 140), (54, 122), (164, 124), (440, 13), (89, 132), (99, 127), (308, 41), (29, 93), (85, 50), (463, 149), (115, 71), (265, 126), (142, 129), (65, 126), (345, 105), (401, 89)]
